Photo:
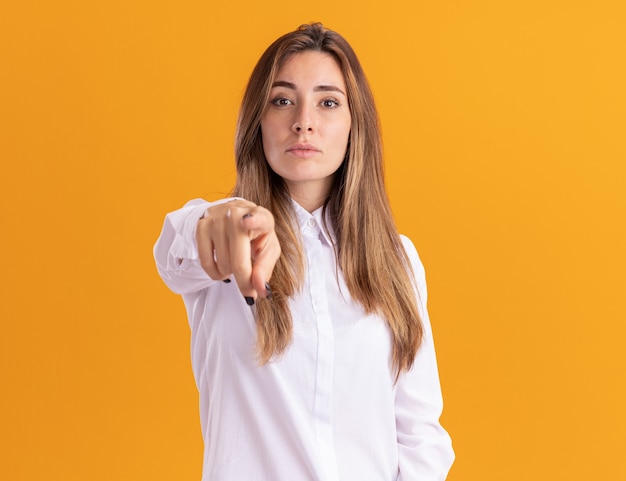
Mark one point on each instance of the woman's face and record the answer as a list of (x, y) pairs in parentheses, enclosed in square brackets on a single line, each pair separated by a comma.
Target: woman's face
[(306, 125)]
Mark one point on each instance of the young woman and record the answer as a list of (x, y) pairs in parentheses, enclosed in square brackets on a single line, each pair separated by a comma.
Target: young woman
[(311, 345)]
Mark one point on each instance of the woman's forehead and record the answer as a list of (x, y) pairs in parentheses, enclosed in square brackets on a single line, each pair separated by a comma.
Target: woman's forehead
[(310, 67)]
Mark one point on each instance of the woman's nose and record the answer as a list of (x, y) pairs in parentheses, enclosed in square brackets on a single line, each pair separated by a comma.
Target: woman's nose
[(304, 121)]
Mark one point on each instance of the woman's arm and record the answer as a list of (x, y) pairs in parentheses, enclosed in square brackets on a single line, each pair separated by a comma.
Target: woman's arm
[(176, 252), (424, 447), (205, 242)]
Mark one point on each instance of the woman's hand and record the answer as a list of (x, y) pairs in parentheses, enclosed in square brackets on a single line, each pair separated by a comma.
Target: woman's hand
[(238, 238)]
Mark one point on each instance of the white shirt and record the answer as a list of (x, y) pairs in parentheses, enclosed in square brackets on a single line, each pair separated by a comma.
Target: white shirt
[(328, 408)]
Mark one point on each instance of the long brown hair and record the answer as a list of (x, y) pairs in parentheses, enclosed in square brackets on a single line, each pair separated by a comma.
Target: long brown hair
[(378, 273)]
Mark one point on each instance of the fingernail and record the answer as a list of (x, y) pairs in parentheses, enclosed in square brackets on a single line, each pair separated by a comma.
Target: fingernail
[(268, 290), (249, 300), (226, 281)]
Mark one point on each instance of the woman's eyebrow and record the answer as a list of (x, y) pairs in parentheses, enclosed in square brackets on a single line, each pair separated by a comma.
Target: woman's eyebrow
[(283, 83), (319, 88), (328, 88)]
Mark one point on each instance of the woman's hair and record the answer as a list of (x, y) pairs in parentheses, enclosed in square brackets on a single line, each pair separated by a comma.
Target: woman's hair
[(369, 251)]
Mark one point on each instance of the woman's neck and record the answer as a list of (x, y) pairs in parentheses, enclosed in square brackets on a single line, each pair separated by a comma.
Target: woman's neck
[(308, 199)]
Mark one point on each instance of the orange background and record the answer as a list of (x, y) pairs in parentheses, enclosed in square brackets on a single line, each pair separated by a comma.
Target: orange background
[(504, 129)]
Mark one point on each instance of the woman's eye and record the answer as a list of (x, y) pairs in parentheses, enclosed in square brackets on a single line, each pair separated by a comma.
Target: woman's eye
[(281, 102), (330, 103)]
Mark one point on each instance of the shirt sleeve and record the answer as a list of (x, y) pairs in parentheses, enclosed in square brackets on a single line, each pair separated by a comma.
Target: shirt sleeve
[(176, 252), (424, 447)]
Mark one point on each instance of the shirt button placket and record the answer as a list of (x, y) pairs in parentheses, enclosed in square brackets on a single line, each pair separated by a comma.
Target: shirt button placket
[(325, 351)]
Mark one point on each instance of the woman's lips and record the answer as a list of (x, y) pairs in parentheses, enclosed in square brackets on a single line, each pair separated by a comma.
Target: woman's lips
[(303, 151)]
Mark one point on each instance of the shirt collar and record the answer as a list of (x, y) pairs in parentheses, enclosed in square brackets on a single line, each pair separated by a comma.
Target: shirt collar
[(313, 222)]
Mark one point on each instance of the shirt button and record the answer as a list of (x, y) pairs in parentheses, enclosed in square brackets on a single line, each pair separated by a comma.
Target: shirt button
[(311, 223)]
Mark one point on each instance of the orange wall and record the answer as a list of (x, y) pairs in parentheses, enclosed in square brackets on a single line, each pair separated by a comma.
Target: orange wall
[(504, 129)]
